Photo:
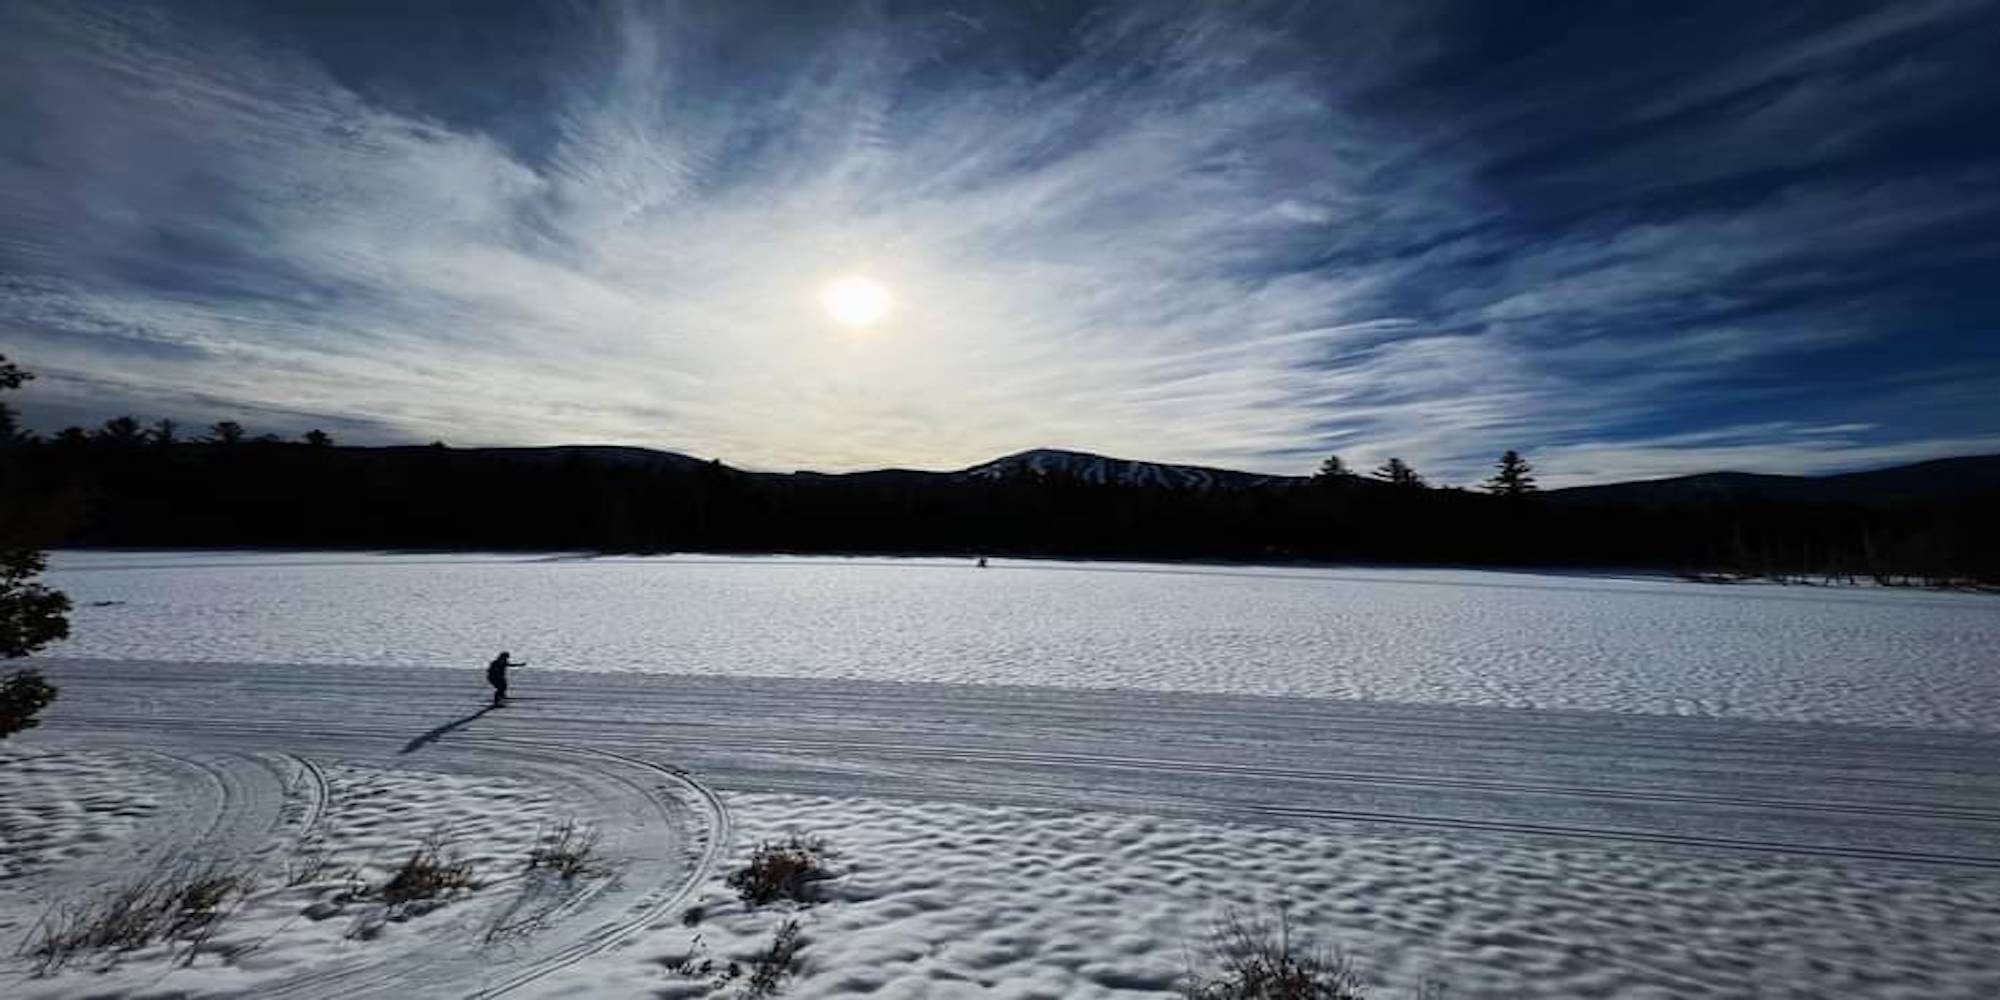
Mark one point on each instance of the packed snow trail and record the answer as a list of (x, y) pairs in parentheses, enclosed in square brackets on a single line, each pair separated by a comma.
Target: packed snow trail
[(1855, 656), (1114, 819), (226, 791), (1870, 794)]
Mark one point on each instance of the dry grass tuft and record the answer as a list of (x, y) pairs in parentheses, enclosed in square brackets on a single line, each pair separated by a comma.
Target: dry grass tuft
[(570, 851), (181, 903), (1257, 959), (788, 868)]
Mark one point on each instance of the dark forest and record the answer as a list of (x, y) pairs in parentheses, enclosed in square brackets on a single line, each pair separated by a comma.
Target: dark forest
[(136, 489)]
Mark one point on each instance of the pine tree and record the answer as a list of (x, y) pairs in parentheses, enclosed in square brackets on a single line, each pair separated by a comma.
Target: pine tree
[(31, 616), (11, 377), (319, 438), (122, 432), (225, 432), (1333, 470), (1514, 478), (1396, 473), (23, 695)]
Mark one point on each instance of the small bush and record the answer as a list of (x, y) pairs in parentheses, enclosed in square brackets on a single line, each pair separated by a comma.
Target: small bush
[(434, 869), (184, 903), (23, 695), (570, 851), (775, 964), (420, 884), (767, 971), (1257, 959), (790, 868)]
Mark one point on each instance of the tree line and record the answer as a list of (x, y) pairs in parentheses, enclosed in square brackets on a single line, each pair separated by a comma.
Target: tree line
[(126, 484), (1513, 476)]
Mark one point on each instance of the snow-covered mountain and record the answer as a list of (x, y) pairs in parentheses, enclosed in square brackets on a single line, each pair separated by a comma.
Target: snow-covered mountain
[(1100, 469)]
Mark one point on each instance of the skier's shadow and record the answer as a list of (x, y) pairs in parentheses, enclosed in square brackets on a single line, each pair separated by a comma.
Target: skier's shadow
[(432, 737)]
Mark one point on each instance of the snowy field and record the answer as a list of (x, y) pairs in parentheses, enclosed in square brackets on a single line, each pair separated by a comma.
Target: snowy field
[(1642, 819), (1657, 646)]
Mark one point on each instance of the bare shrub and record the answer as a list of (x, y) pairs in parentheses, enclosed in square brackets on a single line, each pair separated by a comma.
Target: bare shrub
[(432, 873), (570, 851), (433, 870), (313, 863), (788, 868), (775, 964), (182, 903), (560, 856), (1256, 958), (764, 977)]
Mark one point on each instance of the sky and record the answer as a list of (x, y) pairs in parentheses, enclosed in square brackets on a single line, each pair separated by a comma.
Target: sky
[(1628, 239)]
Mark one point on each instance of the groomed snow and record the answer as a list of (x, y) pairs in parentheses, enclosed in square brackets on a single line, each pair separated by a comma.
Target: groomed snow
[(951, 900), (57, 806), (1029, 842), (1640, 645)]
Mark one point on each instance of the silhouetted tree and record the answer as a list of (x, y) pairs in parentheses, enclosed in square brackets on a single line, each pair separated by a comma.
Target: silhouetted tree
[(11, 377), (23, 694), (122, 432), (1396, 473), (1514, 478), (31, 615), (166, 433), (1333, 470), (319, 438), (225, 432)]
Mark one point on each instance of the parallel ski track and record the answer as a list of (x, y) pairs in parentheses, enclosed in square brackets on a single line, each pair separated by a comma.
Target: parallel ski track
[(719, 841), (383, 977), (313, 782), (1255, 810), (1184, 766)]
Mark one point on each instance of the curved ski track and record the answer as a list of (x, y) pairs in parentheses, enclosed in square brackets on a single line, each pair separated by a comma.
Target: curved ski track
[(1849, 794)]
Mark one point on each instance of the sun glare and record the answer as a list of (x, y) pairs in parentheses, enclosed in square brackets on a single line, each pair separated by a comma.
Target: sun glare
[(855, 301)]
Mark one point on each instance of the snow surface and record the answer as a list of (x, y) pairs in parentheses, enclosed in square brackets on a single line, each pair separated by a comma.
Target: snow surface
[(1643, 645), (950, 900), (60, 805), (1012, 841)]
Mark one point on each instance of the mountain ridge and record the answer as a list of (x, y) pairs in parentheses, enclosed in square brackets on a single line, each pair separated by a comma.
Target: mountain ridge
[(1912, 480)]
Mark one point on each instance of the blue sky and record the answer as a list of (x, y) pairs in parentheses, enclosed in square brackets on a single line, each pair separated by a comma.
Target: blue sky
[(1629, 239)]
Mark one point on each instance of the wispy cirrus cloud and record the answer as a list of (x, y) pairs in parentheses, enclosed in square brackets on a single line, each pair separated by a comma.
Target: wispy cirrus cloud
[(1232, 237)]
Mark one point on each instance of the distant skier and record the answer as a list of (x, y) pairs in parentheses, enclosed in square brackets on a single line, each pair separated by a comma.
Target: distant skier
[(982, 562), (496, 675)]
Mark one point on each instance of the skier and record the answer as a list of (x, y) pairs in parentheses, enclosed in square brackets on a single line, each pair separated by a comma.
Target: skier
[(496, 675)]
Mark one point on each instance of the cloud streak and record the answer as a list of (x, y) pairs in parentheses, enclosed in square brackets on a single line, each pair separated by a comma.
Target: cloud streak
[(1173, 234)]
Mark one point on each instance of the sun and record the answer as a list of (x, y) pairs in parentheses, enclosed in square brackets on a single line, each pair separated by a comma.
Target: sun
[(855, 301)]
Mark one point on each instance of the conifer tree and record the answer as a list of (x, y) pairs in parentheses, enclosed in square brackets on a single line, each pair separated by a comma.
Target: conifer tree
[(31, 615), (1514, 478), (1397, 473)]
